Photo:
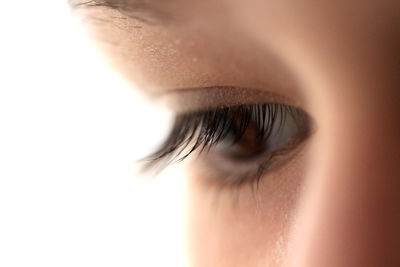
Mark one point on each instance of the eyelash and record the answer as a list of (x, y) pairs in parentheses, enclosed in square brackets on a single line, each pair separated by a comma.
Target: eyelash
[(204, 129)]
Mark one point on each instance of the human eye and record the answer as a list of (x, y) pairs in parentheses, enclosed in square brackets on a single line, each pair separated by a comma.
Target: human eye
[(231, 141), (237, 143)]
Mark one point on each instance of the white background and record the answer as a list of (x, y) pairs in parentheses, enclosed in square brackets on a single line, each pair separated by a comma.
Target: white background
[(70, 131)]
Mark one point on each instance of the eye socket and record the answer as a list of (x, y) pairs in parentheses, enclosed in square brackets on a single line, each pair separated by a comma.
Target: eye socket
[(240, 142)]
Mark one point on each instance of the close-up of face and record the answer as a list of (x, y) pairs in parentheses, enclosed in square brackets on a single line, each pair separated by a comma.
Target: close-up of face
[(287, 122)]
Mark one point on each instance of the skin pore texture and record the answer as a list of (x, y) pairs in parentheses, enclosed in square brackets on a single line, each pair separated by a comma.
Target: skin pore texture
[(336, 202)]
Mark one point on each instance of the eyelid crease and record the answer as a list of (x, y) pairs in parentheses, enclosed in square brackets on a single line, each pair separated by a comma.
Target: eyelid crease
[(192, 99)]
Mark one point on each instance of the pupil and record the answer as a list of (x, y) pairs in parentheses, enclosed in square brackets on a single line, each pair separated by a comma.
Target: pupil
[(242, 142)]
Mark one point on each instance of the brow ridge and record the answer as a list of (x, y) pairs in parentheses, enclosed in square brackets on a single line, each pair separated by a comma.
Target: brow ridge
[(141, 10)]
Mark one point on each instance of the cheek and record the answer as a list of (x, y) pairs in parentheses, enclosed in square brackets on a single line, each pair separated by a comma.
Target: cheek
[(240, 227)]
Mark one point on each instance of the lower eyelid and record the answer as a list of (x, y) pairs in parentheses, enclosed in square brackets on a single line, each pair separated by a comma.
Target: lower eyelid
[(224, 173)]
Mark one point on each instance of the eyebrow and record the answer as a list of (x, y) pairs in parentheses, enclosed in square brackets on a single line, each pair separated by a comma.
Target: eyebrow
[(141, 10)]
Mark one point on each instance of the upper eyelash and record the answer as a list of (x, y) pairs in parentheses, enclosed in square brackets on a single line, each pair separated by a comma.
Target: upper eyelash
[(200, 130)]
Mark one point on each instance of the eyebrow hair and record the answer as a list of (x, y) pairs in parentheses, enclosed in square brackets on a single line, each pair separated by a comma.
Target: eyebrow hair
[(141, 10)]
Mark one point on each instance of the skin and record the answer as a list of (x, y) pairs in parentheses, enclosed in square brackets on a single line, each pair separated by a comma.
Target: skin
[(336, 202)]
